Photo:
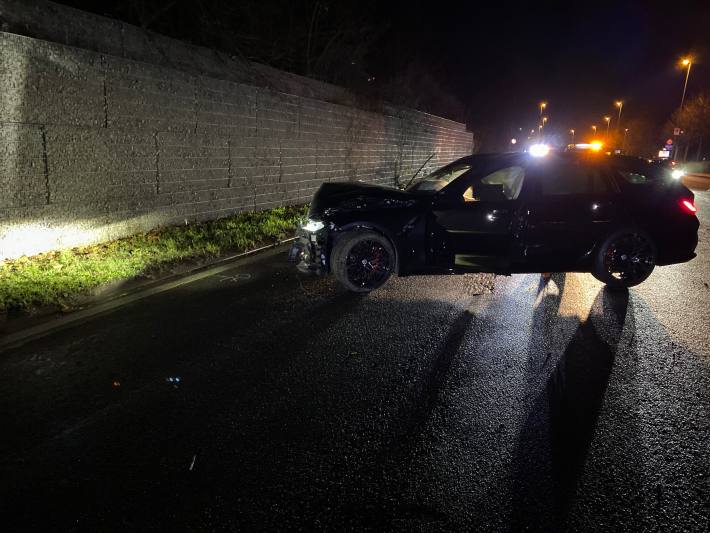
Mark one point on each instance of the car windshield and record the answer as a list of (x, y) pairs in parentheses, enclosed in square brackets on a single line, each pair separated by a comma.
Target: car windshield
[(439, 179)]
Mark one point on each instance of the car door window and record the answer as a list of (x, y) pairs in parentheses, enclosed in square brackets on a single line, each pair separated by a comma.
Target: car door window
[(503, 184), (572, 180), (633, 177)]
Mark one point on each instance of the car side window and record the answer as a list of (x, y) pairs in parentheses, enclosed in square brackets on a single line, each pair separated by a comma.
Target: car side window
[(573, 179), (503, 184), (633, 177)]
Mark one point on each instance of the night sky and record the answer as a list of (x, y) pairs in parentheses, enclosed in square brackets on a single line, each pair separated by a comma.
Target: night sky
[(498, 59), (502, 59)]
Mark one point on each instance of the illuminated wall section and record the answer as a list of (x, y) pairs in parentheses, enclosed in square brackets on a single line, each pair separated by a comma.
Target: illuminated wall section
[(96, 145)]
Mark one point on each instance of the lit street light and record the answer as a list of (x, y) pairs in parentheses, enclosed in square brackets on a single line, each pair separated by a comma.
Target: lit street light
[(594, 128), (572, 132), (687, 62), (608, 121), (620, 105), (543, 105), (623, 144)]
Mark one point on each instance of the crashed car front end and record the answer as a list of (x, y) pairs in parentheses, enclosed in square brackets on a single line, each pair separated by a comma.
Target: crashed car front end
[(340, 207), (310, 249)]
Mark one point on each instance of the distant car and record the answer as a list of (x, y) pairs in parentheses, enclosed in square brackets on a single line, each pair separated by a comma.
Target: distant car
[(663, 162), (616, 217)]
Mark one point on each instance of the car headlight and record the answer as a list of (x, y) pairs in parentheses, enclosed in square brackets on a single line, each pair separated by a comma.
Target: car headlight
[(677, 173), (313, 225)]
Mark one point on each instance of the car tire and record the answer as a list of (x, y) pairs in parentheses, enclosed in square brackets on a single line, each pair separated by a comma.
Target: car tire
[(362, 260), (625, 258)]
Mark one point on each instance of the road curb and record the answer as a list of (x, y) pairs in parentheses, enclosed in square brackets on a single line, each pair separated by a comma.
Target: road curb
[(18, 338)]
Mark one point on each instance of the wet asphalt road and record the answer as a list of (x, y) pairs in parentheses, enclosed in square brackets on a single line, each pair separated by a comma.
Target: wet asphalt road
[(262, 399)]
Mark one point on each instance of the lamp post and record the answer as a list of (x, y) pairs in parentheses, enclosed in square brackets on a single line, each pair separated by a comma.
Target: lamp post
[(572, 132), (620, 105), (543, 105), (623, 144), (594, 129), (687, 62), (608, 121)]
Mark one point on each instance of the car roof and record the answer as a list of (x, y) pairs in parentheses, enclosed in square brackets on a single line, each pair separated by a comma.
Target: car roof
[(627, 162)]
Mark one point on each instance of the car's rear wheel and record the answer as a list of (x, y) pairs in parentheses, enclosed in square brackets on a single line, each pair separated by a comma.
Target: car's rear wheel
[(362, 260), (625, 258)]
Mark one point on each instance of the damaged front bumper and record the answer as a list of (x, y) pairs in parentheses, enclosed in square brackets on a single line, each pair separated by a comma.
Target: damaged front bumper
[(309, 250)]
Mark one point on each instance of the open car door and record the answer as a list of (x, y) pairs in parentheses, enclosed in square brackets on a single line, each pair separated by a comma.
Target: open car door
[(476, 220)]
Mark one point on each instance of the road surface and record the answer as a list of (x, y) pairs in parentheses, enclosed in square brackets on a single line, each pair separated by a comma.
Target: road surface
[(261, 399)]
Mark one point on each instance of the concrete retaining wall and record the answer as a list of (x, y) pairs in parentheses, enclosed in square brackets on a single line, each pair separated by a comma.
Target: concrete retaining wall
[(94, 145)]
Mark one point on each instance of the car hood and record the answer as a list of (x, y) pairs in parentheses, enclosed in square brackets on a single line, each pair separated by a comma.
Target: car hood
[(344, 196)]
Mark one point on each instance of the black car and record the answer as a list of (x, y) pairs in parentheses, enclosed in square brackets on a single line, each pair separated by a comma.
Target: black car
[(614, 216)]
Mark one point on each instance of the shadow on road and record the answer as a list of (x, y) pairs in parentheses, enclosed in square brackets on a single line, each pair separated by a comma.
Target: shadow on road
[(558, 430), (432, 382)]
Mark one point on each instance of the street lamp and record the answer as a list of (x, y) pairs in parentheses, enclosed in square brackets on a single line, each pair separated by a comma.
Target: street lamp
[(542, 126), (608, 121), (620, 105), (623, 144), (594, 128), (572, 132), (543, 105), (687, 62)]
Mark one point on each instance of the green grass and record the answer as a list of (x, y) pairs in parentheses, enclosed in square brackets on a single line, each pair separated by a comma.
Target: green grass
[(56, 277)]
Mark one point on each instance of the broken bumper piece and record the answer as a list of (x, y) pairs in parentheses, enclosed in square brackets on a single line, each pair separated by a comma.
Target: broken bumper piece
[(307, 252)]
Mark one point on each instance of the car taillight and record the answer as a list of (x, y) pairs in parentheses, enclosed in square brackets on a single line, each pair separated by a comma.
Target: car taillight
[(688, 206)]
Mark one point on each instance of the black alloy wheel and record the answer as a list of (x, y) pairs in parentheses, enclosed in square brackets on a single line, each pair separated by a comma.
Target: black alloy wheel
[(368, 264), (626, 258), (363, 261)]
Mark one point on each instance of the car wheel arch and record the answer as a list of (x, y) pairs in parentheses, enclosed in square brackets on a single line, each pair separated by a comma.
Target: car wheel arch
[(370, 226)]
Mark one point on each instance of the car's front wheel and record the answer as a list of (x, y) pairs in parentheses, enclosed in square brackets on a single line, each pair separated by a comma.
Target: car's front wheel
[(362, 260), (625, 258)]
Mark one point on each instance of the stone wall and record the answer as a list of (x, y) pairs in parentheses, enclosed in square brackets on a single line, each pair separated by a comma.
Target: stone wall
[(98, 143)]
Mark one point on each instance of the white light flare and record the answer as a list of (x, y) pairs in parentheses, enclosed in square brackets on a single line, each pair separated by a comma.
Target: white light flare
[(539, 150)]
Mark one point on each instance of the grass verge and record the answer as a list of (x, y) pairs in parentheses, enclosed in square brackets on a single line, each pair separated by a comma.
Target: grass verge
[(56, 277)]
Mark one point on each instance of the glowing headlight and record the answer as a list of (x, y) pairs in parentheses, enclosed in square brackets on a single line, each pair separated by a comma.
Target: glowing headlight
[(539, 150), (313, 225), (677, 173)]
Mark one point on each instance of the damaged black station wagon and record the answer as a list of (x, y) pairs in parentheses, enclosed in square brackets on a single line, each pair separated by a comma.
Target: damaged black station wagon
[(616, 217)]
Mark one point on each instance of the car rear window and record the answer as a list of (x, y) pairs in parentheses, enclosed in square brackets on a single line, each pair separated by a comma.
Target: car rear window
[(633, 177), (641, 173)]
